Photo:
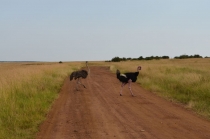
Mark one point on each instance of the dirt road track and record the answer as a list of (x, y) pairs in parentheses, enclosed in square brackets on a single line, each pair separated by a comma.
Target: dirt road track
[(99, 112)]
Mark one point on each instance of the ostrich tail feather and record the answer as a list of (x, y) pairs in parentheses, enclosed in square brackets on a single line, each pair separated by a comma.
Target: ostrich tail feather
[(71, 76)]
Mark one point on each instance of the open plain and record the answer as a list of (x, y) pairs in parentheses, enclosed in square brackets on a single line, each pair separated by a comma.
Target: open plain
[(99, 112)]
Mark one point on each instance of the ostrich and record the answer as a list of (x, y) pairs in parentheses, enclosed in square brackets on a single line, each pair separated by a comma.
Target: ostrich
[(128, 78), (80, 74)]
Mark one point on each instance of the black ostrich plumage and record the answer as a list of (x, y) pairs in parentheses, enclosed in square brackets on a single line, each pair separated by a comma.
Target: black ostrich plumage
[(127, 76), (79, 74)]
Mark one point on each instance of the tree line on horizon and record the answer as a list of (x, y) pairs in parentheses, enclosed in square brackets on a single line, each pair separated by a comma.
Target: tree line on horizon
[(118, 59)]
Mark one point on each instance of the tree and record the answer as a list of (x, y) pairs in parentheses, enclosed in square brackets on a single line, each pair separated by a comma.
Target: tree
[(165, 57), (140, 58), (116, 59)]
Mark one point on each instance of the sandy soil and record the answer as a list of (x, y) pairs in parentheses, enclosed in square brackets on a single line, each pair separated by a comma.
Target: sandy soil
[(99, 112)]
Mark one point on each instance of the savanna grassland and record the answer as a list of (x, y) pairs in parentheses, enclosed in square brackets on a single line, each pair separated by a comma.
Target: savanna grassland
[(185, 81), (27, 90)]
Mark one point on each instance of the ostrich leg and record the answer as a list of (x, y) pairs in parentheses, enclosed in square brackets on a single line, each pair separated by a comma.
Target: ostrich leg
[(81, 83), (130, 81), (122, 88), (77, 84)]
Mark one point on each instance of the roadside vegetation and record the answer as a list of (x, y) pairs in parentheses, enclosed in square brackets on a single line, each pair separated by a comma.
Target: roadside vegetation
[(27, 90), (184, 81)]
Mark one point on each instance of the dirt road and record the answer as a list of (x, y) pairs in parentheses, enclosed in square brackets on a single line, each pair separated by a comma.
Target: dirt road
[(99, 112)]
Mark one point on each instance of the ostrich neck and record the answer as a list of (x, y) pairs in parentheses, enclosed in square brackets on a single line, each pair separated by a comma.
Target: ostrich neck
[(88, 68)]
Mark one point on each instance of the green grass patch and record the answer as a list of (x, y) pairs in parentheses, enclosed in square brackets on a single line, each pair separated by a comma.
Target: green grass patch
[(26, 104), (184, 81)]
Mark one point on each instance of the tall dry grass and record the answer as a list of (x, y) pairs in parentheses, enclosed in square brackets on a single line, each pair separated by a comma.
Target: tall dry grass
[(186, 81), (27, 91)]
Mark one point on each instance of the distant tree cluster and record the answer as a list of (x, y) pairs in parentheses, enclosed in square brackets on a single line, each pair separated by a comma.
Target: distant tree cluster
[(186, 56), (118, 59)]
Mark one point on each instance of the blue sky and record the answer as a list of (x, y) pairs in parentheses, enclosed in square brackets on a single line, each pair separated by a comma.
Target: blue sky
[(77, 30)]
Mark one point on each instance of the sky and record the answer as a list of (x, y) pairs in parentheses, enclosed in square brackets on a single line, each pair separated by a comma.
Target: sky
[(95, 30)]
